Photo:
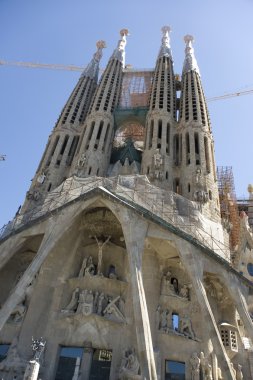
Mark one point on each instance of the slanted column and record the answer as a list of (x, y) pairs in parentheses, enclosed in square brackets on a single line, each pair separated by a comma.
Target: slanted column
[(194, 268), (238, 293), (56, 227), (135, 230)]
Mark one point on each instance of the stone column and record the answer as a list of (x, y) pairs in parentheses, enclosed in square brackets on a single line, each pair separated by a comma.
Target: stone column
[(32, 370), (86, 363), (135, 230), (237, 292), (192, 263)]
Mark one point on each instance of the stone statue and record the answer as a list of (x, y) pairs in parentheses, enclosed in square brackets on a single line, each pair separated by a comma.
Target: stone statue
[(130, 366), (158, 160), (81, 300), (112, 311), (84, 264), (167, 287), (158, 317), (87, 303), (206, 368), (112, 272), (90, 267), (17, 313), (95, 303), (166, 321), (41, 178), (101, 299), (185, 327), (81, 161), (101, 243), (185, 292), (72, 306), (239, 374), (195, 366)]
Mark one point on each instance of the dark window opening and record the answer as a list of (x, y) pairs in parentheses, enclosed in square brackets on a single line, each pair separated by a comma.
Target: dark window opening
[(160, 129), (174, 370), (72, 150), (64, 145), (69, 362), (168, 139), (101, 365), (151, 129), (89, 172), (187, 149), (207, 155), (189, 187), (3, 351), (49, 187), (53, 150), (176, 149), (196, 143), (176, 187)]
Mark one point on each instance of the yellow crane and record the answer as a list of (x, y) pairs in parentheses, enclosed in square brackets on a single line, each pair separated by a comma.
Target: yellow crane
[(53, 66)]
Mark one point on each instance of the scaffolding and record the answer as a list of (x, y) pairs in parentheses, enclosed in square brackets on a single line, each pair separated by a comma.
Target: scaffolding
[(228, 203), (163, 205), (136, 87)]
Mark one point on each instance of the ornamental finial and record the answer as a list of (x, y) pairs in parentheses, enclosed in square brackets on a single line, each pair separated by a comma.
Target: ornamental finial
[(92, 68), (165, 50), (190, 62), (119, 52)]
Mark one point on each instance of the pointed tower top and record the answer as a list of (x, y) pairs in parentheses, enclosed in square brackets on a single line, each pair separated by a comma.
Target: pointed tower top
[(190, 62), (91, 69), (119, 52), (165, 50)]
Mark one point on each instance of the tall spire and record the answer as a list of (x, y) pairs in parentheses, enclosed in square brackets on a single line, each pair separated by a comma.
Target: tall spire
[(165, 50), (119, 52), (190, 62), (92, 68)]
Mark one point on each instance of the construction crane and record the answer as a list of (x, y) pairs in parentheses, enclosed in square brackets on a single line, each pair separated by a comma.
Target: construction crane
[(35, 65)]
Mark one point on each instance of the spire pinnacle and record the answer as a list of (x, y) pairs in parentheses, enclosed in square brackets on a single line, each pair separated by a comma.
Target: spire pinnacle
[(165, 50), (190, 62), (119, 52), (91, 69)]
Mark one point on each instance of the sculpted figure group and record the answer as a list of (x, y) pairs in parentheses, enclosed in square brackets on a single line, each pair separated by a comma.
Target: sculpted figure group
[(88, 302), (164, 323), (201, 369), (170, 287)]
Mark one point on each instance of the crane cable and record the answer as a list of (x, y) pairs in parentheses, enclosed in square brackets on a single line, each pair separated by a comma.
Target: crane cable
[(80, 68)]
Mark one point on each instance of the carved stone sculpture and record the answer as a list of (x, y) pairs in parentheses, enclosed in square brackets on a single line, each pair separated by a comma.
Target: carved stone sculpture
[(72, 306), (239, 374), (165, 321), (206, 368), (130, 366), (112, 311), (81, 161), (90, 267), (84, 264), (17, 313), (85, 305), (185, 327), (195, 366), (185, 292)]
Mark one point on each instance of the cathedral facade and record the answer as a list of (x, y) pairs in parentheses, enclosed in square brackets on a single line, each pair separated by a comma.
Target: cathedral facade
[(120, 264)]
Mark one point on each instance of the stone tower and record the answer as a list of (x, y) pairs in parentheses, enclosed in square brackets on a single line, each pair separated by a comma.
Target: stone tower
[(118, 266), (96, 144), (196, 152), (161, 119), (62, 144)]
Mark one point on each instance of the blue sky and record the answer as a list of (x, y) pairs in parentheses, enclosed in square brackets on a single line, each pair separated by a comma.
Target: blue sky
[(66, 31)]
